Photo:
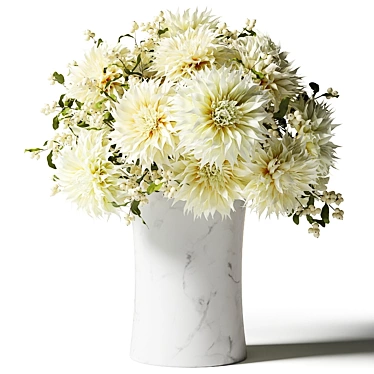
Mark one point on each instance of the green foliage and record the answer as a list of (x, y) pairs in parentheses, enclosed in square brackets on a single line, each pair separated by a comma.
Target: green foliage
[(258, 74), (123, 36), (325, 214), (314, 87), (119, 205), (61, 101), (59, 77), (55, 123), (153, 187), (283, 107), (135, 208), (34, 149), (50, 162), (296, 219), (160, 32)]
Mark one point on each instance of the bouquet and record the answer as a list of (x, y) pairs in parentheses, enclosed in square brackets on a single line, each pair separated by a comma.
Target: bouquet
[(187, 107)]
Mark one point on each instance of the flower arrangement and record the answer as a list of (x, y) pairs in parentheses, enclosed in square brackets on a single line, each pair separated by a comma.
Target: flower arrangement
[(196, 111)]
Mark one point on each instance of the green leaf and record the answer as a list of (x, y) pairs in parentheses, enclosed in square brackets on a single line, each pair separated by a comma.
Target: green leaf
[(135, 207), (283, 107), (325, 214), (314, 87), (310, 218), (160, 32), (126, 35), (34, 149), (61, 101), (50, 162), (55, 123), (119, 205), (296, 219), (258, 74), (153, 187), (82, 124), (59, 77), (311, 200), (322, 223), (69, 103), (108, 117), (138, 60)]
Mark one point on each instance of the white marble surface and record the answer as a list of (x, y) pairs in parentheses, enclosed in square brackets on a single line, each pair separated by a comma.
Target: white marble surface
[(188, 298)]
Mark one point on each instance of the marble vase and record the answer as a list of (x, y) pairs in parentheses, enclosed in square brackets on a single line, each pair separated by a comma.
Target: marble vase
[(188, 293)]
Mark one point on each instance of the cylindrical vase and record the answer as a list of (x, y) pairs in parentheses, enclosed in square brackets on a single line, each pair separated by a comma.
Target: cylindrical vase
[(188, 290)]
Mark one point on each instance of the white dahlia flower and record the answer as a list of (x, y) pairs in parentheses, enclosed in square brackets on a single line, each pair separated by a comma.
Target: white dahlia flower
[(178, 23), (315, 129), (269, 66), (143, 129), (87, 177), (279, 174), (207, 189), (219, 115), (182, 55), (99, 72)]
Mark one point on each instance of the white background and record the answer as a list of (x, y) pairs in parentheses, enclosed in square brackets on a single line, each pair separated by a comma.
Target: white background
[(67, 281)]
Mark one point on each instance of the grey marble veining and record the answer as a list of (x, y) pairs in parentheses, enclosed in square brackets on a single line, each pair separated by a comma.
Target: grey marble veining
[(188, 292)]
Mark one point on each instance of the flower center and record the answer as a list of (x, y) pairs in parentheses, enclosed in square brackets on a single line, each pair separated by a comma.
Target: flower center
[(149, 119), (224, 112), (211, 174)]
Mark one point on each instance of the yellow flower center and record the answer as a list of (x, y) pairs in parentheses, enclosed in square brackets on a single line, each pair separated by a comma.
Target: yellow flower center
[(211, 175), (225, 113)]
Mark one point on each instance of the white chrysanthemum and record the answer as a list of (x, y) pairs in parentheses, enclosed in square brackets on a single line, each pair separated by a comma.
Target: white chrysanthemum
[(143, 129), (269, 66), (99, 72), (315, 130), (87, 177), (178, 23), (219, 115), (182, 55), (279, 175), (207, 189)]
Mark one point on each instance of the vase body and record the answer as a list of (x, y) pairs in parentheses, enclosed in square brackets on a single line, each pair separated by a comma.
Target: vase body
[(188, 291)]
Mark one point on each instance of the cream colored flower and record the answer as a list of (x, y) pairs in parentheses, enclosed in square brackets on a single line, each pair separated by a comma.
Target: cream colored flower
[(315, 130), (269, 66), (87, 177), (207, 189), (182, 55), (143, 129), (219, 114), (279, 175), (178, 23), (99, 72)]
